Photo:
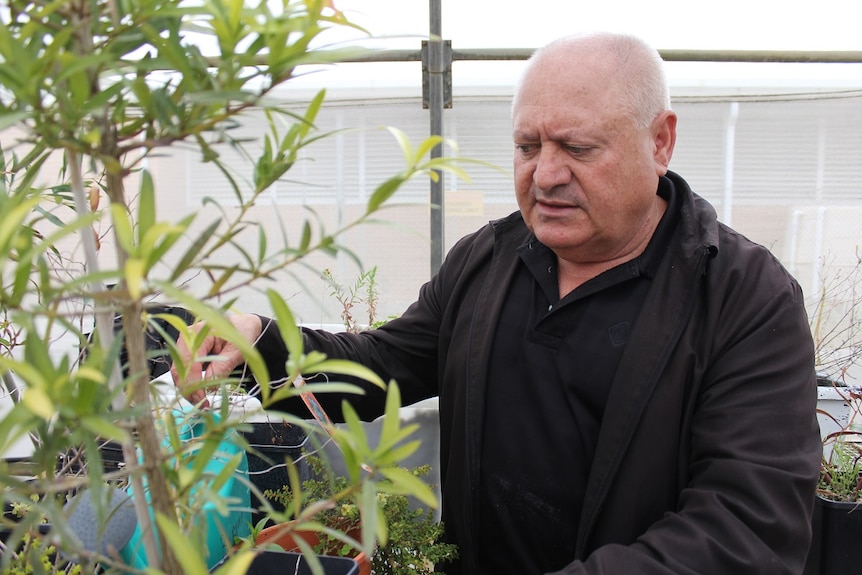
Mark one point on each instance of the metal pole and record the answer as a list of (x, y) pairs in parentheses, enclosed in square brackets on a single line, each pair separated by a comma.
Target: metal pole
[(762, 56), (435, 97)]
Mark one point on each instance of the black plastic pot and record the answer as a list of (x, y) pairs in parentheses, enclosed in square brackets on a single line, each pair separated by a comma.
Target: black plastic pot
[(837, 531), (72, 462), (271, 445), (283, 562)]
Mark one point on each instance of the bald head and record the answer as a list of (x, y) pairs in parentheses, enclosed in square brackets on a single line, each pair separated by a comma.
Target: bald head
[(628, 67)]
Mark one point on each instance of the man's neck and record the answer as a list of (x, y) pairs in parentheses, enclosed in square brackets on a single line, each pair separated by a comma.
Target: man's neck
[(572, 273)]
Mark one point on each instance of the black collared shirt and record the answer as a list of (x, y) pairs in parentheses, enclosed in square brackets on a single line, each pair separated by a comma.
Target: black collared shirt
[(552, 364)]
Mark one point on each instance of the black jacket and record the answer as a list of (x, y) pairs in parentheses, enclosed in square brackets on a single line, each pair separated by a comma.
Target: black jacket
[(709, 450)]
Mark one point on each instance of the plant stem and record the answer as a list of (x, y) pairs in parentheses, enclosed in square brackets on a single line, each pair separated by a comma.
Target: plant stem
[(144, 424), (103, 314)]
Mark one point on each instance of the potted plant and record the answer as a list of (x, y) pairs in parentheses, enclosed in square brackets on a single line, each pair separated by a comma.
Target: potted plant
[(337, 516), (99, 88), (837, 522), (307, 542), (414, 538)]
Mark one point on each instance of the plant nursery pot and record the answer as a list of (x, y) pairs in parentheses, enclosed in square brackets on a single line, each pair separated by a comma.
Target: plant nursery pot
[(286, 539), (271, 443), (837, 530), (289, 562)]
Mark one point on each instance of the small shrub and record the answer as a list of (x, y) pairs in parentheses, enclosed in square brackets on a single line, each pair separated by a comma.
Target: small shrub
[(841, 475), (414, 544)]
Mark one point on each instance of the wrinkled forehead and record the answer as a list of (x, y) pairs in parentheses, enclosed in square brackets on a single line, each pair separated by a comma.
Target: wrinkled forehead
[(569, 75), (554, 85)]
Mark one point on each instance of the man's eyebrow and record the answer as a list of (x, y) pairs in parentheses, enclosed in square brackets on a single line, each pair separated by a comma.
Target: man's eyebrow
[(524, 135)]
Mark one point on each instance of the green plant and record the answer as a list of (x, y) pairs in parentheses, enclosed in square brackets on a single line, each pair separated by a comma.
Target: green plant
[(836, 326), (841, 466), (414, 536), (100, 87), (841, 474), (35, 556), (363, 291)]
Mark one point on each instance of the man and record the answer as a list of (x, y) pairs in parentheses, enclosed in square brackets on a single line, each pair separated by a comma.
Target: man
[(626, 385)]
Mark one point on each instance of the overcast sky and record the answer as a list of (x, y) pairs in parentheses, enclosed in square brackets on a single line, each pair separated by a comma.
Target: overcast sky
[(666, 24), (794, 25), (694, 24)]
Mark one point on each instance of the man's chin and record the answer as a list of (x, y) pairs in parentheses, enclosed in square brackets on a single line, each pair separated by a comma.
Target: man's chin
[(557, 237)]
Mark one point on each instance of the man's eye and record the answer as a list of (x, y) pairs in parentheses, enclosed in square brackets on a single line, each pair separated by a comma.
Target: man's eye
[(577, 150), (525, 148)]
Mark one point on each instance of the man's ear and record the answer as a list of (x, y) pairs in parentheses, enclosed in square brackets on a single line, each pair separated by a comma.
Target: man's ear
[(664, 138)]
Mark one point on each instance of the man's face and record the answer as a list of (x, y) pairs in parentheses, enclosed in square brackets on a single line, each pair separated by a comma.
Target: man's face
[(585, 175)]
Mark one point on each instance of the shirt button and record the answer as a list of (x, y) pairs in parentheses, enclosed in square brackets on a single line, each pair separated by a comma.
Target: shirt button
[(550, 307), (550, 269)]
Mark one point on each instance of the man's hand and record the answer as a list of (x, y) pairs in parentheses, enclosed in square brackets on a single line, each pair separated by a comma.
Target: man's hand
[(229, 356)]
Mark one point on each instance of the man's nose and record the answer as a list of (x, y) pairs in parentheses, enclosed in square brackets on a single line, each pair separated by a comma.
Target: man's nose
[(552, 169)]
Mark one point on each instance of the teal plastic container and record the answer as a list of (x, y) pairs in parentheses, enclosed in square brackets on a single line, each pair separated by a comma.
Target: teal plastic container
[(222, 527)]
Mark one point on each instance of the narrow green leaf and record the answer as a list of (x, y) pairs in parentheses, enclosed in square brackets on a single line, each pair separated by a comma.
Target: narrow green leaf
[(12, 222), (153, 249), (305, 240), (261, 245), (38, 368), (14, 425), (345, 367), (427, 145), (290, 332), (204, 454), (39, 403), (104, 428), (87, 372), (146, 206), (392, 415), (404, 144), (222, 280), (372, 528), (227, 471), (123, 228), (194, 250), (383, 192), (186, 553), (286, 391), (353, 443), (134, 274), (79, 86), (237, 564), (393, 455), (310, 114), (411, 484), (22, 272)]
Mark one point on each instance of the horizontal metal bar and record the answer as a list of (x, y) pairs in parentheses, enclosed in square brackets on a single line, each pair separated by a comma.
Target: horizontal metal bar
[(387, 56), (779, 56)]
